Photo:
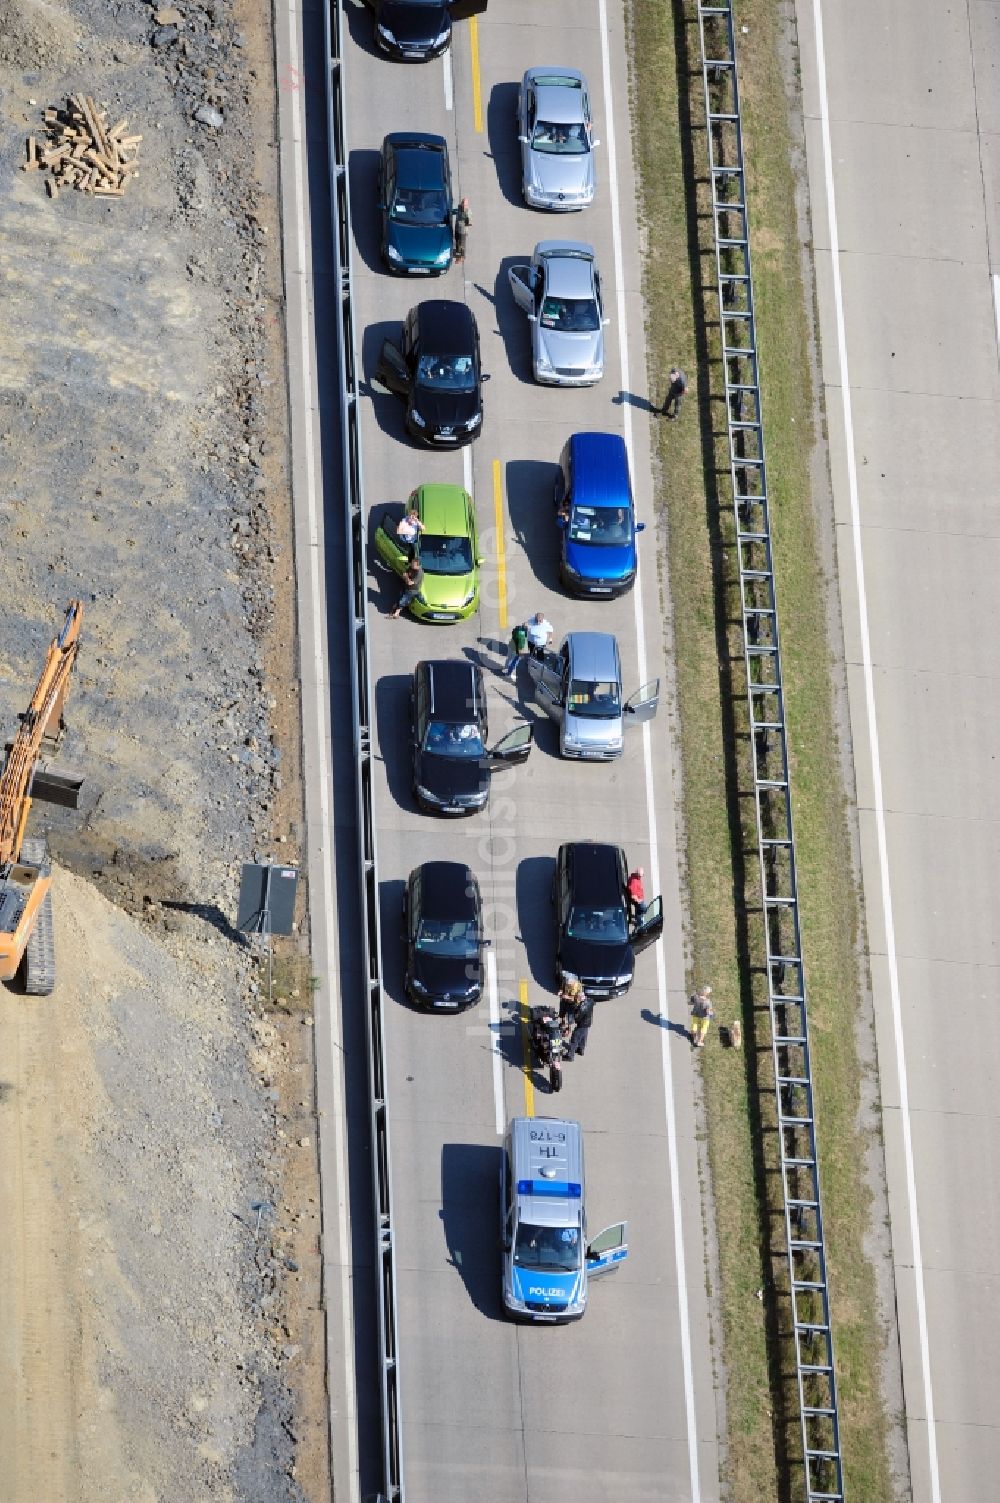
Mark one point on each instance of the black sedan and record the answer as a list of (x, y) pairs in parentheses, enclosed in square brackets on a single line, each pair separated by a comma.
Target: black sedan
[(443, 913), (451, 761), (438, 373), (597, 934), (414, 31)]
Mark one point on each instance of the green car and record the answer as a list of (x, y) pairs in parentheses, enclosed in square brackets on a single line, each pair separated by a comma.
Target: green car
[(448, 550), (414, 196)]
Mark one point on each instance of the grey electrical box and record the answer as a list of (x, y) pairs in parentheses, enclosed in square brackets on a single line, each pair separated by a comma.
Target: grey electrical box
[(267, 898)]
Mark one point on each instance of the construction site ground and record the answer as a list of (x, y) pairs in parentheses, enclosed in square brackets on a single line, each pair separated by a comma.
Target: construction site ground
[(160, 1336)]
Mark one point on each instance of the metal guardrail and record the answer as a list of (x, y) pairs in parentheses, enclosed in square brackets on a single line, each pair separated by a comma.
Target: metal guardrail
[(354, 521), (786, 980)]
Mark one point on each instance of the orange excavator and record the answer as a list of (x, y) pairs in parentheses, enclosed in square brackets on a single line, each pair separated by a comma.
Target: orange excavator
[(26, 930)]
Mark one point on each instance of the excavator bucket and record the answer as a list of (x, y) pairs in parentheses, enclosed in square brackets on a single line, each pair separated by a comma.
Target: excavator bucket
[(60, 787)]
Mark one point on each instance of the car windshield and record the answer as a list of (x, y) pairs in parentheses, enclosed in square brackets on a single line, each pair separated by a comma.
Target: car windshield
[(451, 740), (440, 555), (598, 700), (420, 206), (602, 926), (547, 1247), (458, 940), (602, 526), (446, 373), (573, 315), (559, 140)]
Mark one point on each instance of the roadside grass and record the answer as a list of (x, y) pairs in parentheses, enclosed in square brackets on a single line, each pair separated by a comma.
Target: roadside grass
[(292, 984), (756, 1364)]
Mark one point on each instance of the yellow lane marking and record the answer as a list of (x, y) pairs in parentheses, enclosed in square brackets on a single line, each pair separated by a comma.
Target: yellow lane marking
[(477, 88), (529, 1087), (501, 545)]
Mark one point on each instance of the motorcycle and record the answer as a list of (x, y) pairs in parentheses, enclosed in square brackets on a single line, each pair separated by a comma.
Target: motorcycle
[(548, 1043)]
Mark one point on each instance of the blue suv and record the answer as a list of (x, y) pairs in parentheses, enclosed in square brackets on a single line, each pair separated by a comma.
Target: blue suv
[(595, 513)]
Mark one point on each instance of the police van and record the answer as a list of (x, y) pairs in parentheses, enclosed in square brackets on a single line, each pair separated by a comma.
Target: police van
[(547, 1259)]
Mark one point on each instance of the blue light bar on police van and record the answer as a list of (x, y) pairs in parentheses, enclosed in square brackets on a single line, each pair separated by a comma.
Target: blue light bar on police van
[(562, 1187)]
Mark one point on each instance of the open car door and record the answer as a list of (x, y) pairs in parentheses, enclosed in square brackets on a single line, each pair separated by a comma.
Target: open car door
[(521, 286), (649, 928), (391, 370), (643, 704), (513, 749), (461, 10), (388, 549), (607, 1249), (547, 673)]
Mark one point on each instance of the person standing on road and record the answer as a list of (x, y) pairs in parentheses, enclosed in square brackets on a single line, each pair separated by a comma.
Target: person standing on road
[(539, 634), (409, 530), (463, 223), (412, 580), (581, 1017), (637, 893), (702, 1013), (675, 393), (571, 995), (516, 649)]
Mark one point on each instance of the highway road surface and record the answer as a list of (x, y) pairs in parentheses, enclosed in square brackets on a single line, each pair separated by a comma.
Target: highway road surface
[(623, 1403), (903, 127)]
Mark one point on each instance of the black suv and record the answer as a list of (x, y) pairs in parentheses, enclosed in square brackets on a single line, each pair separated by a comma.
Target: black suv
[(451, 762), (414, 31), (438, 372), (597, 935), (443, 913)]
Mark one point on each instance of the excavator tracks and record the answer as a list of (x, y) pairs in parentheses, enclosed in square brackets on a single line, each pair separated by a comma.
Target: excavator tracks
[(39, 964)]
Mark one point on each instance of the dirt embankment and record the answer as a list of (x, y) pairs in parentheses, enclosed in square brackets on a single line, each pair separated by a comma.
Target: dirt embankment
[(159, 1280)]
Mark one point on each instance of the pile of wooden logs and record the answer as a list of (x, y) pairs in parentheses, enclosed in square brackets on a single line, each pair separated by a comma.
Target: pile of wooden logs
[(82, 151)]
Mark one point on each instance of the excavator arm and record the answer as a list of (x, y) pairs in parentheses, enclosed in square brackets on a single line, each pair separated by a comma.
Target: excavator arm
[(24, 882)]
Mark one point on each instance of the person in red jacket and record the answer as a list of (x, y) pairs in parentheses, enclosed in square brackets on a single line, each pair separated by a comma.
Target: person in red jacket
[(637, 893)]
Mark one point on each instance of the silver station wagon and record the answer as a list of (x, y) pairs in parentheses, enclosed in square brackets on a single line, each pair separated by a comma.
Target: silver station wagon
[(556, 134), (580, 688), (561, 294)]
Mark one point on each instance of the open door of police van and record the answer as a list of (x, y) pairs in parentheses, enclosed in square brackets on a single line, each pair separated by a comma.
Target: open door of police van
[(607, 1249)]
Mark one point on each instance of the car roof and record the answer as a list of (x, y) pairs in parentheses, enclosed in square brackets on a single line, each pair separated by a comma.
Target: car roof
[(455, 687), (542, 1160), (593, 655), (596, 871), (419, 167), (443, 510), (559, 104), (600, 469), (569, 267), (448, 890), (447, 327)]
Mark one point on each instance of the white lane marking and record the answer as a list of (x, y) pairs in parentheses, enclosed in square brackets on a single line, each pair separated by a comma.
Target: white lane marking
[(467, 468), (494, 999), (647, 753), (324, 834), (449, 82), (996, 305), (883, 852)]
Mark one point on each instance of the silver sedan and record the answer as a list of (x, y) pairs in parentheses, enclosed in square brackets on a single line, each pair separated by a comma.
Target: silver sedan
[(561, 294), (580, 688), (556, 133)]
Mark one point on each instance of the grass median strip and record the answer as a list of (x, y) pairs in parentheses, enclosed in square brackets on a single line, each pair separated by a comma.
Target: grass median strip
[(756, 1362)]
